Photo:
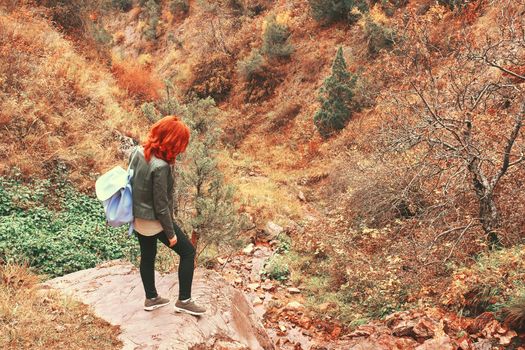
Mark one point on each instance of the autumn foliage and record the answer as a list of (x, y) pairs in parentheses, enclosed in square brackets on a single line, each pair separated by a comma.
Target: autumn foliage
[(137, 80)]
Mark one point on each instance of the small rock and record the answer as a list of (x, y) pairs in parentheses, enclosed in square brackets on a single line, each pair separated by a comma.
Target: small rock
[(272, 230), (59, 328), (293, 290), (282, 327), (425, 328), (441, 343), (294, 305), (404, 328), (268, 286), (483, 344), (221, 261), (248, 250), (253, 286), (257, 301), (301, 196)]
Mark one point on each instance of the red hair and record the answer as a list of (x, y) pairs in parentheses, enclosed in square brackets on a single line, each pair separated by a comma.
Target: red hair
[(167, 138)]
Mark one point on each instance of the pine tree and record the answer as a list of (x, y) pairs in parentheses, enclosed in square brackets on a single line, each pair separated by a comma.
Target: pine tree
[(336, 97), (204, 204)]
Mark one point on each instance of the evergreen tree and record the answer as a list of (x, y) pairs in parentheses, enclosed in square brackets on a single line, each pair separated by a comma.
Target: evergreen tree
[(335, 96), (204, 204)]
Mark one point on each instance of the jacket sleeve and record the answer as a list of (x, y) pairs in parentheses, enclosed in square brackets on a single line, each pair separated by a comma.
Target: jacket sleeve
[(161, 205)]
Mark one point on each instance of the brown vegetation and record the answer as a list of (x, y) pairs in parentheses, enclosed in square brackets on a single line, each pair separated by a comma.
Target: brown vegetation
[(56, 106), (423, 179), (137, 80), (36, 318)]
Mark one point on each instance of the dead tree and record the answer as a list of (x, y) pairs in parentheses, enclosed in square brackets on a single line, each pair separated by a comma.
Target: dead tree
[(464, 111)]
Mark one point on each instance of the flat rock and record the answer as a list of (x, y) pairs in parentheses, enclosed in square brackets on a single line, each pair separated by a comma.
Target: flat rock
[(115, 293)]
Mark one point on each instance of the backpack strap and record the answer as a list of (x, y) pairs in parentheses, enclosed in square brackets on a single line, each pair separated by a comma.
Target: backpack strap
[(133, 157)]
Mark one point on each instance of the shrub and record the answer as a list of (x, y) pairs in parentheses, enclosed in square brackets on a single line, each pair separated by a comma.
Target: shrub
[(493, 283), (149, 110), (256, 7), (262, 84), (179, 6), (329, 11), (251, 65), (454, 4), (153, 12), (513, 312), (124, 5), (276, 39), (207, 204), (335, 96), (277, 268), (69, 14), (389, 6), (101, 35), (60, 241), (212, 77), (137, 80), (379, 37)]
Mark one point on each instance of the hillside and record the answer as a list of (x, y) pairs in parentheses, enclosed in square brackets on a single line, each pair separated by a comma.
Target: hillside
[(60, 111), (408, 194)]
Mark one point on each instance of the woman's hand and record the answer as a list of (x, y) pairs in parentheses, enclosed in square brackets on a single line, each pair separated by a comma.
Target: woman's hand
[(173, 241)]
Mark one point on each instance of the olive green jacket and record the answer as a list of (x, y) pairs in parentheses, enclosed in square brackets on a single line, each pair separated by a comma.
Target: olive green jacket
[(152, 189)]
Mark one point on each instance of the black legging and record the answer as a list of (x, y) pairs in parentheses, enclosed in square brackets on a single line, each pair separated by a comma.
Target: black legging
[(148, 252)]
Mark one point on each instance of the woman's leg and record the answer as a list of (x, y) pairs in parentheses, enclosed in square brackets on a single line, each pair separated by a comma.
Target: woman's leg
[(186, 252), (148, 252)]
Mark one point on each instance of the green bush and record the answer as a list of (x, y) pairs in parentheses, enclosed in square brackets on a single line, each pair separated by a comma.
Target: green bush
[(124, 5), (57, 241), (379, 37), (101, 35), (251, 65), (329, 11), (153, 12), (277, 268), (335, 96), (179, 6), (276, 40), (454, 4)]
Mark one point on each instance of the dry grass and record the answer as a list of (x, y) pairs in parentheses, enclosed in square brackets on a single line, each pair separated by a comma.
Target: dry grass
[(137, 80), (35, 318), (56, 105)]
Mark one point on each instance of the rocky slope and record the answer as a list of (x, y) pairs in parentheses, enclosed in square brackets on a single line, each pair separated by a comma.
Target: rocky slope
[(114, 291)]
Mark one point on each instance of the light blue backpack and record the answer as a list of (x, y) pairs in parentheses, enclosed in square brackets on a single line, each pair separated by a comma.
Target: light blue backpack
[(114, 190)]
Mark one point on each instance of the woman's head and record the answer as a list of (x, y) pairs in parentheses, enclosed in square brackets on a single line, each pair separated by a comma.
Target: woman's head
[(167, 138)]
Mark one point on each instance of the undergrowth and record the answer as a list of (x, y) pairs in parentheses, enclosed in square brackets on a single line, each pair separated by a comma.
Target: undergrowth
[(57, 229)]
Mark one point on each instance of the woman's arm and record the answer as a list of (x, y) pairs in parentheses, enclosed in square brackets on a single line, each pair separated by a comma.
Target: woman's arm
[(161, 200)]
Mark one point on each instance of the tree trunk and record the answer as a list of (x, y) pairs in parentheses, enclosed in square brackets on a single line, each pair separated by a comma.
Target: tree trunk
[(490, 219)]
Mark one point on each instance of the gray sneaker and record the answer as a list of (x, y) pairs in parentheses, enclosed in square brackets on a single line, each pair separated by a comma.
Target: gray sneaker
[(189, 307), (155, 303)]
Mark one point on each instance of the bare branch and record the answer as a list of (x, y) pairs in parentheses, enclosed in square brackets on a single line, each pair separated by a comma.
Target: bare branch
[(508, 149)]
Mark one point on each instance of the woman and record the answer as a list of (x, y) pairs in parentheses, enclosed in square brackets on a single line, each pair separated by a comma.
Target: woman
[(152, 188)]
